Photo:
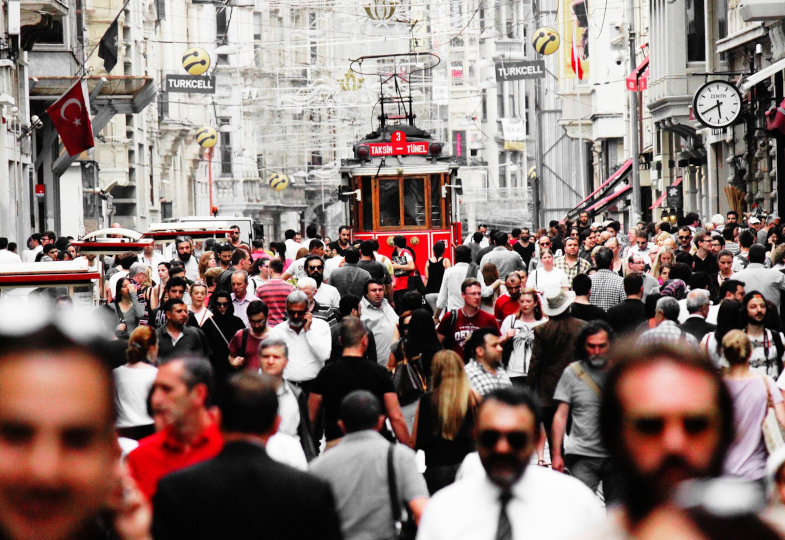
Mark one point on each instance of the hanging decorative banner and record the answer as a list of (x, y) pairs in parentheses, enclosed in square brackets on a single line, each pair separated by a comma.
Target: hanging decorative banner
[(350, 82), (380, 10), (520, 69)]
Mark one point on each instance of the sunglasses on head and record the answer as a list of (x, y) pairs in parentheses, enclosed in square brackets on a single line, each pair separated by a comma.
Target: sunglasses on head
[(488, 438)]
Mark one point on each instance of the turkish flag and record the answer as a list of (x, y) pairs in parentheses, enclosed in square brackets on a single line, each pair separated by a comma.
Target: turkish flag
[(575, 59), (70, 115)]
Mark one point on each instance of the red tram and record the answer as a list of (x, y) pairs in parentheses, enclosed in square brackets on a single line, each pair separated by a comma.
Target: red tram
[(398, 183)]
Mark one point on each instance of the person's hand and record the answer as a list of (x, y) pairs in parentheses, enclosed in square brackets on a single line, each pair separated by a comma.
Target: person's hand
[(132, 513), (238, 361), (308, 320), (557, 463), (131, 288), (510, 334), (121, 327)]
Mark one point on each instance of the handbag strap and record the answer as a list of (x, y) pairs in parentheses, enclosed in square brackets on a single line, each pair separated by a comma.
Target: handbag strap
[(582, 375), (119, 313), (395, 502), (769, 401)]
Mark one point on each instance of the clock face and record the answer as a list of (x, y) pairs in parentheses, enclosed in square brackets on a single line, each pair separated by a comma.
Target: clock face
[(717, 104)]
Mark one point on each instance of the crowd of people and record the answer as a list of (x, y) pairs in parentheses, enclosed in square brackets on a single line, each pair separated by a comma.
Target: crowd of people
[(576, 382)]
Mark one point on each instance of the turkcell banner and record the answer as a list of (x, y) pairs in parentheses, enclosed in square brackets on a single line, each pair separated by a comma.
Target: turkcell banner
[(520, 69), (190, 84)]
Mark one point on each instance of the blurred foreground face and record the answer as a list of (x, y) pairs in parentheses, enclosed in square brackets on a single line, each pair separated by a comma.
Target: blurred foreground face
[(57, 447), (505, 441), (668, 436)]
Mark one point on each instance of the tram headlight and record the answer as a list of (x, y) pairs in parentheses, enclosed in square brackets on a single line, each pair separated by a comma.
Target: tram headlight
[(362, 152), (435, 149)]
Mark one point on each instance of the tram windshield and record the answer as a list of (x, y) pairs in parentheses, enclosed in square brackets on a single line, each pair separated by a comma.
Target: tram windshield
[(400, 202)]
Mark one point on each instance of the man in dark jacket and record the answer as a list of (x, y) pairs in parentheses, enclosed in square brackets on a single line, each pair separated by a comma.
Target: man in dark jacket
[(698, 308), (626, 316), (553, 349), (242, 492)]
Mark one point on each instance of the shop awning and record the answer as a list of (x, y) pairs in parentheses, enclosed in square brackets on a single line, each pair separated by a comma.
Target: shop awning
[(610, 198), (606, 185), (664, 194), (639, 78), (762, 75)]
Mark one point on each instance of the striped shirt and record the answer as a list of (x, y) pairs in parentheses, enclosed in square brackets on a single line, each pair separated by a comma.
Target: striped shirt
[(273, 293)]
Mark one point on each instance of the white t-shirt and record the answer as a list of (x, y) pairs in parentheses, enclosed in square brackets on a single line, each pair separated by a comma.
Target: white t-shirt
[(132, 386), (540, 279), (522, 344)]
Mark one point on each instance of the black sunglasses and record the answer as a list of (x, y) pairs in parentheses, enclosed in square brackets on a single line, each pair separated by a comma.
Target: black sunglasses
[(488, 438), (653, 426), (315, 267), (222, 304)]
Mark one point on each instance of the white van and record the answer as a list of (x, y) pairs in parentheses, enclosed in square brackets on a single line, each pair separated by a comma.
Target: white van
[(250, 229)]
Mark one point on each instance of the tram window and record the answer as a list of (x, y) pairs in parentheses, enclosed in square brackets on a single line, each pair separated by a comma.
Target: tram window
[(367, 203), (436, 202), (414, 201), (389, 203)]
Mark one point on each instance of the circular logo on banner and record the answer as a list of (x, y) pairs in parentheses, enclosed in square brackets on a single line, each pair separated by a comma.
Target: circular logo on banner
[(196, 61), (546, 40), (278, 181), (207, 137)]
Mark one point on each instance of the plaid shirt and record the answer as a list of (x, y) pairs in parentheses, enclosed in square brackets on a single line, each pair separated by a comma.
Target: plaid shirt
[(581, 266), (485, 382), (607, 289), (667, 332)]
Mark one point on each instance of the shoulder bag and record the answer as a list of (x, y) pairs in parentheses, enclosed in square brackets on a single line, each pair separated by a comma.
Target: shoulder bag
[(407, 377), (772, 431), (403, 519)]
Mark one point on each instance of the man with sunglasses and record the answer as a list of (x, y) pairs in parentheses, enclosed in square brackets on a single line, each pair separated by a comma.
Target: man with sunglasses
[(685, 240), (658, 438), (511, 500)]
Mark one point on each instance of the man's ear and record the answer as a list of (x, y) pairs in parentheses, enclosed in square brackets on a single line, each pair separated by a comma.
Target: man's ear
[(342, 426), (380, 422)]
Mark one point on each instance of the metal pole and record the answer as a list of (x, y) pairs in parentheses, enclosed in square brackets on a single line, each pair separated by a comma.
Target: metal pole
[(209, 155), (538, 115), (633, 128)]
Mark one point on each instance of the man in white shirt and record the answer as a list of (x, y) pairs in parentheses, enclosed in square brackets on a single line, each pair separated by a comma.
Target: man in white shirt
[(308, 339), (185, 254), (292, 246), (241, 296), (151, 259), (511, 500), (450, 296), (7, 257), (34, 247)]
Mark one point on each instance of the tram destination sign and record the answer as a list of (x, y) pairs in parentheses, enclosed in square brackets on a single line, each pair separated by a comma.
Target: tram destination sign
[(398, 146), (190, 84), (520, 69)]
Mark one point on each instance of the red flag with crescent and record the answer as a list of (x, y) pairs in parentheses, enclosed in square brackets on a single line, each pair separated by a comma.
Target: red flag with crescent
[(70, 115), (575, 58)]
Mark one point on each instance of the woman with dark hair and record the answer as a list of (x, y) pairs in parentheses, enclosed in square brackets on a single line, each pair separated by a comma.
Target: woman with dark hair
[(434, 269), (418, 340), (445, 420), (219, 329), (133, 381), (728, 318), (490, 274), (518, 330), (156, 298), (403, 266), (127, 308)]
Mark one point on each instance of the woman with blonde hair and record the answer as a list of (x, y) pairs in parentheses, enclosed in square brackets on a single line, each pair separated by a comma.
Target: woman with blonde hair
[(664, 256), (445, 420), (133, 381), (752, 393), (198, 307)]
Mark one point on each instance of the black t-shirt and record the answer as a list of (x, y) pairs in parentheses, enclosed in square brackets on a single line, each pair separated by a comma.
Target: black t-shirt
[(588, 312), (337, 379), (525, 252), (377, 270)]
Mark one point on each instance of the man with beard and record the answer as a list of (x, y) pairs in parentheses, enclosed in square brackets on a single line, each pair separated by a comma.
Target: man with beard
[(244, 345), (659, 438), (578, 394), (175, 338), (570, 263), (188, 431), (767, 345), (184, 254), (511, 500), (326, 295), (484, 369), (507, 304)]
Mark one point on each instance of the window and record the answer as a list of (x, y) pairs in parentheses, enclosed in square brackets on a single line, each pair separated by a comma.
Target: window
[(484, 103), (258, 54), (436, 202), (414, 201), (696, 31), (389, 203), (226, 146), (367, 209)]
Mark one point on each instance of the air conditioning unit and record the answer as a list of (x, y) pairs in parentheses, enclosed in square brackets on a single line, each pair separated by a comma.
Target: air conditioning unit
[(761, 10)]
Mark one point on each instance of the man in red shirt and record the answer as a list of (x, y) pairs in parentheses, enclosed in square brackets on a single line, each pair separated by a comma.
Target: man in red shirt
[(507, 304), (456, 326), (188, 431)]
